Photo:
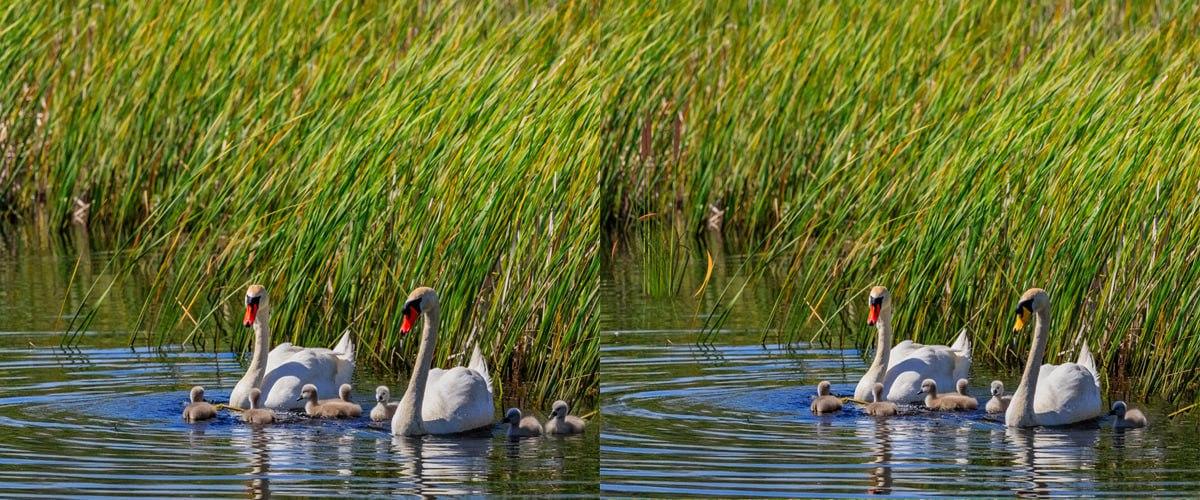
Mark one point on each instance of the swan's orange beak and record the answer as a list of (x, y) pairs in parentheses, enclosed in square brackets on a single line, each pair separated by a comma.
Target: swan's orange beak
[(251, 313), (1022, 319), (873, 316), (410, 318)]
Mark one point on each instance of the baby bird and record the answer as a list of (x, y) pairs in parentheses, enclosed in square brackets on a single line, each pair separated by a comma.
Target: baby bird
[(881, 407), (256, 415), (521, 427), (999, 402), (824, 402), (198, 409), (949, 402), (961, 387), (562, 423), (383, 410), (329, 409), (1131, 418)]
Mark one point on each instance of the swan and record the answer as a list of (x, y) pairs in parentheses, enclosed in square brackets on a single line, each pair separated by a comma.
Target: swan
[(881, 407), (999, 401), (961, 387), (256, 414), (949, 402), (198, 409), (1051, 395), (521, 427), (824, 403), (1131, 418), (902, 368), (562, 423), (327, 409), (440, 401), (383, 410), (282, 373)]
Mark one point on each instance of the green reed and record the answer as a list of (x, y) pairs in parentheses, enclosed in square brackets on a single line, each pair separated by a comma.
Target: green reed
[(958, 153), (340, 153)]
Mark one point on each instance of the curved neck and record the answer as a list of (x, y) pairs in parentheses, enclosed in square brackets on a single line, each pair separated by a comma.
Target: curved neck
[(410, 423), (883, 348), (1021, 405), (262, 344)]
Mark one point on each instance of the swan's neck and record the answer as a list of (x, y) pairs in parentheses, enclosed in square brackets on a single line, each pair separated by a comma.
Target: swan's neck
[(1020, 411), (262, 344), (931, 397), (883, 349), (410, 423)]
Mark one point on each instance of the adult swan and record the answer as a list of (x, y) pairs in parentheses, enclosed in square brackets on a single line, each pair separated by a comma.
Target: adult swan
[(281, 374), (440, 401), (1052, 395), (902, 368)]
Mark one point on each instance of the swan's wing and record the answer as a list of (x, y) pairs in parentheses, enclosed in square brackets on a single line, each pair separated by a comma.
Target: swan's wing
[(281, 354), (962, 345), (1086, 361), (479, 365), (345, 348), (1066, 394), (458, 401), (903, 380), (282, 384), (902, 351)]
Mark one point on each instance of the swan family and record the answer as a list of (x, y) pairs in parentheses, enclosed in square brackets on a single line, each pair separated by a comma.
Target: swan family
[(1047, 395), (437, 401)]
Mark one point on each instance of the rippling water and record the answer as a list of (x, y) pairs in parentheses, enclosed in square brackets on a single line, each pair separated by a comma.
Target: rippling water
[(102, 419), (733, 420)]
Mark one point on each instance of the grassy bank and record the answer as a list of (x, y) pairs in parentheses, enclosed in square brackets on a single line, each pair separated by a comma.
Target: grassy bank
[(341, 153), (958, 153)]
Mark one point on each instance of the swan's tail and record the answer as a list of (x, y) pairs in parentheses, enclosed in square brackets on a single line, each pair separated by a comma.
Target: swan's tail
[(1087, 361), (478, 364), (962, 344), (345, 347)]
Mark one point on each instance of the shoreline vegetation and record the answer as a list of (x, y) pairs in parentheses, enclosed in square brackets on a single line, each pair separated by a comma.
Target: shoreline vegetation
[(957, 153), (340, 154)]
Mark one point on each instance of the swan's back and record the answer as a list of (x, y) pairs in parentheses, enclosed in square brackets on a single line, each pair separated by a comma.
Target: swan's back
[(456, 400), (903, 380), (1067, 394)]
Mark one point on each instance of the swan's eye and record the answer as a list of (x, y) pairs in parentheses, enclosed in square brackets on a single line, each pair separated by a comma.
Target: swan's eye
[(875, 301), (253, 301)]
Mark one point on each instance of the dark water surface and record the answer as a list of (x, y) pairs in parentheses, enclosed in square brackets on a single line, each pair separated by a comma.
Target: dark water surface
[(732, 419), (103, 419)]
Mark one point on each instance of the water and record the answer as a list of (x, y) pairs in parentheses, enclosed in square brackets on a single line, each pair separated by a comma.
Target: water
[(104, 420), (733, 419)]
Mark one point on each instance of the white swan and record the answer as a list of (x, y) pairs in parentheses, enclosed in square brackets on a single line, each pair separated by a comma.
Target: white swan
[(286, 369), (902, 368), (1050, 395), (440, 401)]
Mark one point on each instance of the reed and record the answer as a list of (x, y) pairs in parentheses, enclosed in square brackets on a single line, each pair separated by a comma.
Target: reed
[(340, 153), (957, 152)]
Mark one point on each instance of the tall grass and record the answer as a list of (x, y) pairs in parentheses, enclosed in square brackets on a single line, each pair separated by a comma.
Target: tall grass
[(341, 153), (957, 152)]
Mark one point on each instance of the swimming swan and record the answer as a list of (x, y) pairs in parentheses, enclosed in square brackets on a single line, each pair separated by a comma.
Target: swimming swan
[(198, 409), (902, 368), (519, 427), (327, 409), (961, 387), (562, 423), (256, 414), (999, 401), (824, 403), (949, 402), (1131, 418), (282, 373), (1050, 395), (881, 407), (440, 401), (384, 409)]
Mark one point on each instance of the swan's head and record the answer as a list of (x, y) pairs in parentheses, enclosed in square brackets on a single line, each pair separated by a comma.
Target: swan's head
[(1032, 301), (928, 386), (421, 300), (512, 417), (308, 392), (382, 394), (1118, 409), (877, 391), (255, 397), (823, 388), (197, 394), (961, 386), (559, 409), (997, 388), (344, 392), (879, 304), (256, 303)]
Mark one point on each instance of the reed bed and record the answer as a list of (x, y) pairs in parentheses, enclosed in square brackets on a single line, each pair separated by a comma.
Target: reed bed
[(340, 153), (957, 152)]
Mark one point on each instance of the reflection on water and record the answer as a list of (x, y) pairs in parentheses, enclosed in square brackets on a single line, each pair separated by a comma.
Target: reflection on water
[(104, 419), (732, 419)]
